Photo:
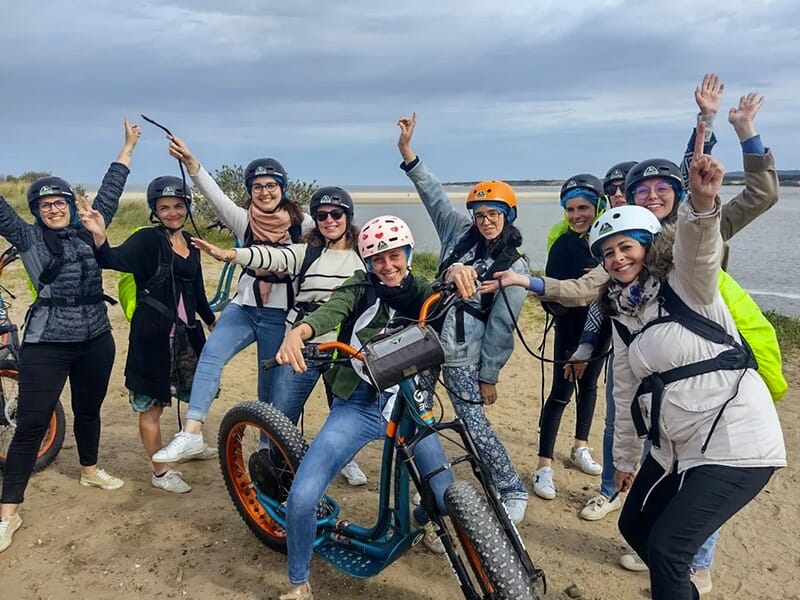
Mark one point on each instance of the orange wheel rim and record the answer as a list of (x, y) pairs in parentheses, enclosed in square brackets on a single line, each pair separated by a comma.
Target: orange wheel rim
[(243, 486), (49, 435), (52, 428), (473, 557)]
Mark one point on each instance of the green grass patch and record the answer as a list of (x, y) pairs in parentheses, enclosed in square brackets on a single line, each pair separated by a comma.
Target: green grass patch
[(787, 329)]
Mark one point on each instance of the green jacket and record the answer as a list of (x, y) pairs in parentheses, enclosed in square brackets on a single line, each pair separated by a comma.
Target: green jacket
[(341, 307)]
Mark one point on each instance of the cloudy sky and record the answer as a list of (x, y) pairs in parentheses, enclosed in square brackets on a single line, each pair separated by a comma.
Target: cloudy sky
[(508, 89)]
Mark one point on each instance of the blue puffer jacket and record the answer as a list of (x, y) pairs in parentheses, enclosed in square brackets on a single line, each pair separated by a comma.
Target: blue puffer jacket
[(80, 275)]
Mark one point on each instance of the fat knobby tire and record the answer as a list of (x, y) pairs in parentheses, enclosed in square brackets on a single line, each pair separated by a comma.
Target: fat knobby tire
[(284, 438), (483, 538)]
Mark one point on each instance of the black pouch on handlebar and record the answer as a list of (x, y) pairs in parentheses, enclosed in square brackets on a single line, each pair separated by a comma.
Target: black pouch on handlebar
[(402, 355)]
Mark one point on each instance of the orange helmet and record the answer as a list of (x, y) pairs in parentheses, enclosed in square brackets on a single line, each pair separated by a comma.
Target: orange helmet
[(497, 192)]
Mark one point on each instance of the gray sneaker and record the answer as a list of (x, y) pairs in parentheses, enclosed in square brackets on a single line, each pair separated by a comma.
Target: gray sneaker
[(171, 481)]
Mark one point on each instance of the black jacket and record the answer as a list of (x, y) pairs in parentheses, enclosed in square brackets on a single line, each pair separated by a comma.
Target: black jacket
[(147, 369)]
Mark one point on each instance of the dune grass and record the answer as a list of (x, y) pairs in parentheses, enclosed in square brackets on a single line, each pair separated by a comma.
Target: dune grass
[(135, 213)]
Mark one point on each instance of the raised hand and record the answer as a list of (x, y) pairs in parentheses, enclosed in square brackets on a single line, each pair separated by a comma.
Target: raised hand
[(132, 135), (92, 220), (705, 175), (178, 149), (214, 251), (742, 116), (708, 94), (406, 126)]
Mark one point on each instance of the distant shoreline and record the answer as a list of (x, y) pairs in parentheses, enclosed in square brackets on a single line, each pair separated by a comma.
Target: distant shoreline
[(386, 198)]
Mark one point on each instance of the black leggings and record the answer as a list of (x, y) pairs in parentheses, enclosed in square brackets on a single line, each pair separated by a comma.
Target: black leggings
[(43, 371), (561, 393), (666, 521)]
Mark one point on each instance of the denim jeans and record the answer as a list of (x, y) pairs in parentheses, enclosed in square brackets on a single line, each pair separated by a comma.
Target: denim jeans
[(291, 390), (351, 425), (607, 486), (705, 555), (668, 515), (238, 327)]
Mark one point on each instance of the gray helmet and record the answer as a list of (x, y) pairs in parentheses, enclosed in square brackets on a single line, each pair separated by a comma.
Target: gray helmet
[(265, 166), (654, 167), (50, 186), (331, 196), (167, 186)]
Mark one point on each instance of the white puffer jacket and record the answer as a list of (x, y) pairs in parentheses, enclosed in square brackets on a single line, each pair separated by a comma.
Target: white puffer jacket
[(748, 433)]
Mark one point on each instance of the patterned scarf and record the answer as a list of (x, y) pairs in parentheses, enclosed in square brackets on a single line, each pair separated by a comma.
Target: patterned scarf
[(632, 297)]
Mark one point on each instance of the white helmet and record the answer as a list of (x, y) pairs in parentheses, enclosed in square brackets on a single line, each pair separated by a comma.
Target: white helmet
[(621, 220)]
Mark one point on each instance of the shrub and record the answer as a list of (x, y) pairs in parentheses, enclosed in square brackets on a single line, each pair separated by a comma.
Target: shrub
[(230, 179)]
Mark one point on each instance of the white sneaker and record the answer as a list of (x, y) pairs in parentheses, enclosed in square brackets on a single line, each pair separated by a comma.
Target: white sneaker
[(354, 475), (208, 453), (632, 562), (171, 481), (417, 499), (7, 528), (543, 483), (599, 506), (582, 458), (183, 445), (515, 507), (701, 578)]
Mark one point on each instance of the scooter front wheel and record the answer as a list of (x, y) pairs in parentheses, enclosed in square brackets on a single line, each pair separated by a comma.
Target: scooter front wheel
[(259, 449), (484, 545)]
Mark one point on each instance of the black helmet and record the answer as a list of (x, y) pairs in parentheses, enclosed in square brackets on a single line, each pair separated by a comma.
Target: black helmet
[(50, 186), (619, 171), (265, 166), (331, 196), (583, 180), (655, 167), (167, 186)]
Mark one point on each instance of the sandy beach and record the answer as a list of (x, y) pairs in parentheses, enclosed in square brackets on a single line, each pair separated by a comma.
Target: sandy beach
[(140, 542)]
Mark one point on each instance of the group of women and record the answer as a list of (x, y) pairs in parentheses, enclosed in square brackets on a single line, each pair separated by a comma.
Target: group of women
[(625, 242)]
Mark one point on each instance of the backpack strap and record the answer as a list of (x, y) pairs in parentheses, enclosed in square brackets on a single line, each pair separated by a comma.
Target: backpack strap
[(738, 357)]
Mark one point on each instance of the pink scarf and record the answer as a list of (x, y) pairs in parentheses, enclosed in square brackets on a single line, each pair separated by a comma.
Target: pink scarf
[(270, 227)]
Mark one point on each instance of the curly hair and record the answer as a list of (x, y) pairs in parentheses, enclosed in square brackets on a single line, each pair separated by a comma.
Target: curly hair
[(314, 237)]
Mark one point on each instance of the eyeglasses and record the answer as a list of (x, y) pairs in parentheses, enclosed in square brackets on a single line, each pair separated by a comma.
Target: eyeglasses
[(492, 216), (662, 190), (270, 186), (322, 215), (59, 204), (611, 188)]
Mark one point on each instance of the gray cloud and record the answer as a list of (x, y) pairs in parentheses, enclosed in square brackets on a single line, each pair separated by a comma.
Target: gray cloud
[(504, 89)]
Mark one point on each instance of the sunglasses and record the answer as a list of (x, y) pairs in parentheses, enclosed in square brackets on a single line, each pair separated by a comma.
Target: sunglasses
[(611, 188), (322, 215)]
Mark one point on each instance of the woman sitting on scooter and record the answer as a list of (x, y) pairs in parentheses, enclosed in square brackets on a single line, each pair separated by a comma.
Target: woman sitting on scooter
[(386, 246)]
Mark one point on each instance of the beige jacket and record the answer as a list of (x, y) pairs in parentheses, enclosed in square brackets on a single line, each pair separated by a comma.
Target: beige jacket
[(748, 433), (760, 193)]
